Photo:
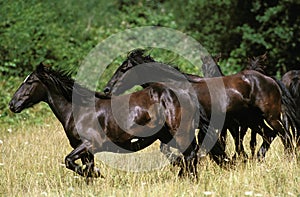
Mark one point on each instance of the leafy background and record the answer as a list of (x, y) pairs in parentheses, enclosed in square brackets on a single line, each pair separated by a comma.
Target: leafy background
[(61, 33)]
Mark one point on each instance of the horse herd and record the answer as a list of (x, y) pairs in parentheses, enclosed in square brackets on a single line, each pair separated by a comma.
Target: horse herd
[(169, 108)]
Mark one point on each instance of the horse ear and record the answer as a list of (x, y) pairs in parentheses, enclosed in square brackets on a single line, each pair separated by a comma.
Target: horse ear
[(217, 57), (42, 67), (249, 60), (205, 59), (264, 56)]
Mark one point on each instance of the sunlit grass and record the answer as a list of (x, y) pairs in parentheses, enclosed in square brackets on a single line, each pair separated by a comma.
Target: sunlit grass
[(32, 164)]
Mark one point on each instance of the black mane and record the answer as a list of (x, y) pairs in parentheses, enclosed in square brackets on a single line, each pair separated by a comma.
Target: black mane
[(138, 56), (65, 85), (258, 63), (210, 67)]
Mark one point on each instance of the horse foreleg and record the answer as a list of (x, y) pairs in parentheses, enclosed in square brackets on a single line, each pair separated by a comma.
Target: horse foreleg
[(223, 136), (81, 152), (219, 155), (214, 144), (88, 161), (190, 161), (238, 134), (263, 150)]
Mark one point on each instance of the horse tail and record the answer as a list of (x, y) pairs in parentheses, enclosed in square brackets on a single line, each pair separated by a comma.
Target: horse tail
[(288, 109)]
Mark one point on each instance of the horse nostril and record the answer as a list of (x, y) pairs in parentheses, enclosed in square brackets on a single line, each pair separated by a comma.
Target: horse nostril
[(11, 106)]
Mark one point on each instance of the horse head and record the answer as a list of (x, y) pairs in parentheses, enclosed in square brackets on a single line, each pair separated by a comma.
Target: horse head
[(31, 92)]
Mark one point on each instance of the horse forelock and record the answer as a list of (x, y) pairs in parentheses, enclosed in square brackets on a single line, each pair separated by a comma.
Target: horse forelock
[(138, 56), (135, 58)]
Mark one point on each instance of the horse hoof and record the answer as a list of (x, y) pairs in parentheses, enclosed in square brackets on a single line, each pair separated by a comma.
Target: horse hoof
[(97, 173)]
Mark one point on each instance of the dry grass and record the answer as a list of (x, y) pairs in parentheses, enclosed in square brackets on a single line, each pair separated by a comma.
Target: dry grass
[(31, 164)]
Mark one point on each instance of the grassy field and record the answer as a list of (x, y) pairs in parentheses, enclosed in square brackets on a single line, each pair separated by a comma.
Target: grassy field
[(32, 164)]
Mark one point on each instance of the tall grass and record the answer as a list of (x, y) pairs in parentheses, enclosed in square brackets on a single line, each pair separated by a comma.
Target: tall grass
[(32, 164)]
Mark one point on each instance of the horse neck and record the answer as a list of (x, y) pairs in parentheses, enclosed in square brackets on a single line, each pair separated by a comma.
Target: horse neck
[(61, 107)]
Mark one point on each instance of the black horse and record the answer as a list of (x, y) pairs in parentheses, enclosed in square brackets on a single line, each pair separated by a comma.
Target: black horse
[(162, 73), (291, 86), (210, 69), (250, 98), (291, 80), (90, 123)]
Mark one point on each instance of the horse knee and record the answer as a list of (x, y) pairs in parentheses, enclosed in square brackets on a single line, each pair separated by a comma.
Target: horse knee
[(68, 162)]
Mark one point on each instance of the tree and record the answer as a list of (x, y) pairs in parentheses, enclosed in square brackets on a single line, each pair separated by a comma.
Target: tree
[(275, 30)]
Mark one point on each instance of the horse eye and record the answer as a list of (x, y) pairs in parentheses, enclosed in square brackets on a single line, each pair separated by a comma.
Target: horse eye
[(123, 70), (30, 81)]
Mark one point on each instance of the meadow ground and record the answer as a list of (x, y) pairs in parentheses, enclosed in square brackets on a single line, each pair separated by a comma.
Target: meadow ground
[(32, 164)]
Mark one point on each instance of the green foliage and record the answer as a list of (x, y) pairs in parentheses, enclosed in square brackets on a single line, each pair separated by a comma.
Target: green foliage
[(241, 29), (145, 13), (61, 33), (275, 30)]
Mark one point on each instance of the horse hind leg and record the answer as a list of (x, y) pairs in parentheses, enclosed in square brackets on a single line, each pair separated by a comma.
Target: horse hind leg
[(284, 135), (268, 134)]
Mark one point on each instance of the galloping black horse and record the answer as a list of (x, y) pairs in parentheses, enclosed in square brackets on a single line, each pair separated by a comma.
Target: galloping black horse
[(250, 97), (137, 57), (90, 125), (210, 68)]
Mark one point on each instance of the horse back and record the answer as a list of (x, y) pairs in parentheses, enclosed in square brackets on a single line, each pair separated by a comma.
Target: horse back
[(265, 92)]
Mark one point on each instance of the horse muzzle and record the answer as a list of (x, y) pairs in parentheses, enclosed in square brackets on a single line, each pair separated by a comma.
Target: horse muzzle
[(14, 108)]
